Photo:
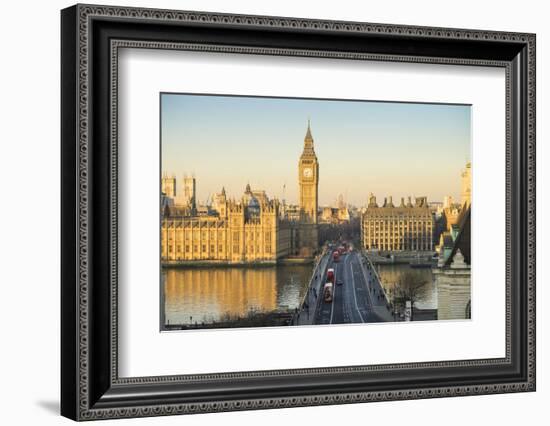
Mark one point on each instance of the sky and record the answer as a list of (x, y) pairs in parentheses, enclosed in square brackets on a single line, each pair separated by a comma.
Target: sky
[(387, 148)]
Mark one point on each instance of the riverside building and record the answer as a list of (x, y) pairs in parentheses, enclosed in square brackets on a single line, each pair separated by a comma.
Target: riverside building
[(406, 227)]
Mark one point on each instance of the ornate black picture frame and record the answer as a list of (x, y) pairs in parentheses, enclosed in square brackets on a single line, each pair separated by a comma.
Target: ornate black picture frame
[(91, 36)]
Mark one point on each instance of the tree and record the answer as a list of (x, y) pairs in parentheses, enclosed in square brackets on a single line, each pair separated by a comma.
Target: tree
[(408, 288)]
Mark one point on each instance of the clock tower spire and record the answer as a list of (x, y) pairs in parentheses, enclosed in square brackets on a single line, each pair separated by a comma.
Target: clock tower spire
[(308, 179)]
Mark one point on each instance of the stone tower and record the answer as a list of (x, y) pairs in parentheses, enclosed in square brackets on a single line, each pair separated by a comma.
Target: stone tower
[(169, 185), (308, 179), (220, 204), (307, 237), (189, 191), (466, 184)]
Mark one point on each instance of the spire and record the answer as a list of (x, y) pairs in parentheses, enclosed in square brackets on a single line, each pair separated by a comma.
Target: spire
[(308, 133), (308, 140), (248, 188)]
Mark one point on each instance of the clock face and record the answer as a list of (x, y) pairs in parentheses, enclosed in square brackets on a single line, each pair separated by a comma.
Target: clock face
[(308, 172)]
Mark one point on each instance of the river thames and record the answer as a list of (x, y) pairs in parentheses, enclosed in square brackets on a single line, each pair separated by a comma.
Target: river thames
[(210, 294)]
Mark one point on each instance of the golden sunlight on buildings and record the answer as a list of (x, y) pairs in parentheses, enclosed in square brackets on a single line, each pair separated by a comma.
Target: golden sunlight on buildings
[(252, 229)]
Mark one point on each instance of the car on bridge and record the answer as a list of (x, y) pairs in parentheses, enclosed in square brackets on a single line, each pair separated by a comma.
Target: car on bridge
[(328, 292), (339, 282)]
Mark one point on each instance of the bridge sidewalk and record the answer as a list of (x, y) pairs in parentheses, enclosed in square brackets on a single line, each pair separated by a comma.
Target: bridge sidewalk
[(378, 297), (306, 313)]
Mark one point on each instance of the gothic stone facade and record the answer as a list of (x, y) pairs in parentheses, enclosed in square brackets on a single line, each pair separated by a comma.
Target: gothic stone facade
[(453, 273), (391, 228), (244, 232), (453, 289)]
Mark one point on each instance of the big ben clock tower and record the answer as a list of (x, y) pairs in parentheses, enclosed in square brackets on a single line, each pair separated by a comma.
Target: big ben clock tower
[(308, 178)]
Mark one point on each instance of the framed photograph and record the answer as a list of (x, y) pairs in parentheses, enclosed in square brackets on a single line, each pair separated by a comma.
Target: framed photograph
[(263, 212)]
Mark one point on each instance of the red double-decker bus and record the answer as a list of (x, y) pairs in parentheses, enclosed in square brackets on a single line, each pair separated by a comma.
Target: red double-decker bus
[(336, 256)]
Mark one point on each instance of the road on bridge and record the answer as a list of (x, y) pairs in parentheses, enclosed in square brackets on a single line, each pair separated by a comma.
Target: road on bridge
[(354, 300)]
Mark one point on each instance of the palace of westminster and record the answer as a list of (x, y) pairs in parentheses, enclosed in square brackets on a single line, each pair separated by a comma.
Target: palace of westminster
[(257, 229)]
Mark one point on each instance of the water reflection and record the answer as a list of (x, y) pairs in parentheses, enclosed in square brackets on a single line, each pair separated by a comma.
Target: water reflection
[(391, 275), (210, 294)]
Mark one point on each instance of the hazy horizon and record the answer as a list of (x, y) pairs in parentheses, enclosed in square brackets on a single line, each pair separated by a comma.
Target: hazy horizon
[(387, 148)]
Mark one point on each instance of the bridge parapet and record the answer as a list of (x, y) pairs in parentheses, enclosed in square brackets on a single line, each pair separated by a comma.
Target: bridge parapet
[(376, 276)]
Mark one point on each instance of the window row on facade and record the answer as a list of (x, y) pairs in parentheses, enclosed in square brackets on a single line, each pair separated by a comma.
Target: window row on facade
[(390, 233)]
